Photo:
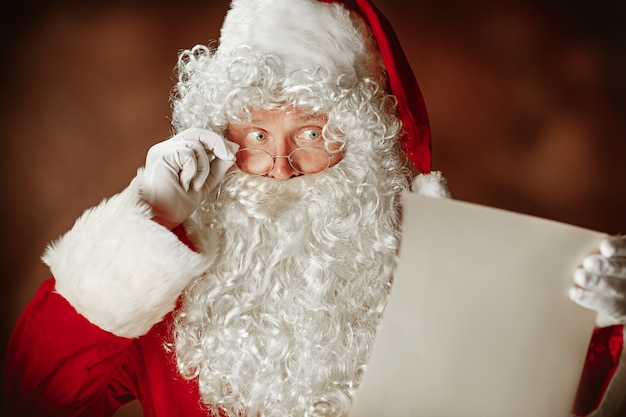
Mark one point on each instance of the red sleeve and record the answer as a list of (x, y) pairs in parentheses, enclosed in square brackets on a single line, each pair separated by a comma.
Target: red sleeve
[(601, 363), (182, 235), (58, 363)]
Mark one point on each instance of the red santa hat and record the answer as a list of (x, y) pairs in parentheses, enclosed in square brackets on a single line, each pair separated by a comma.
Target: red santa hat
[(307, 33)]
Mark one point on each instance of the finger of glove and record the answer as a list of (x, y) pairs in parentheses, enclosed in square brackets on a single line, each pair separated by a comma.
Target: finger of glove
[(212, 142), (233, 147), (607, 305), (613, 246), (186, 160), (195, 179), (189, 164), (604, 284), (598, 264), (219, 168)]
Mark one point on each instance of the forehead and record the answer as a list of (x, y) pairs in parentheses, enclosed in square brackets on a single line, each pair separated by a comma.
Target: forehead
[(289, 115)]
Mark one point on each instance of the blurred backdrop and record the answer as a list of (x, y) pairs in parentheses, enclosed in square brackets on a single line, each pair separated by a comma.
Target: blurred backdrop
[(526, 98)]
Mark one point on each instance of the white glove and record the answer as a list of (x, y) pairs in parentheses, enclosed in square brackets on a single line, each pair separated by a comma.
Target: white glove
[(180, 172), (602, 282)]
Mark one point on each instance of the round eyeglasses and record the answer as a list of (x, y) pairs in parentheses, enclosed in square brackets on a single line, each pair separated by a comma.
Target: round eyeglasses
[(305, 160)]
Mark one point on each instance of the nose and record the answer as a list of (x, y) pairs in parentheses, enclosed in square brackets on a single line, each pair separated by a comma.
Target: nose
[(282, 169)]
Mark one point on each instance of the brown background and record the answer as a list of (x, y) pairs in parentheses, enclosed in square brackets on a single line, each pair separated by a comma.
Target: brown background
[(526, 100)]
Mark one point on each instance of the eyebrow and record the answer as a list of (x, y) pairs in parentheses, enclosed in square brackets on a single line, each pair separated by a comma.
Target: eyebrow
[(301, 118), (306, 117)]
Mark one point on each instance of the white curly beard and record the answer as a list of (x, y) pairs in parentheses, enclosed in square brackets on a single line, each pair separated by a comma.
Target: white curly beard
[(282, 324)]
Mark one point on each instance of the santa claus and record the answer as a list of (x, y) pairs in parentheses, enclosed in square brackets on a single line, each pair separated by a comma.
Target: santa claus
[(245, 270)]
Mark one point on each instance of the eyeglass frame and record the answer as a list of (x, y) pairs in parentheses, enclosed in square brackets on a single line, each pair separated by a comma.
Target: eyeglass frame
[(329, 155)]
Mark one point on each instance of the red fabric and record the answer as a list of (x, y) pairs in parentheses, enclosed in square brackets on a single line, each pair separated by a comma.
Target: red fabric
[(59, 364), (411, 107), (600, 366), (181, 234)]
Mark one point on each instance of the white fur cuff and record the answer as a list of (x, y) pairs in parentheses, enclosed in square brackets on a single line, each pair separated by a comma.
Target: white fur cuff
[(121, 270), (431, 185)]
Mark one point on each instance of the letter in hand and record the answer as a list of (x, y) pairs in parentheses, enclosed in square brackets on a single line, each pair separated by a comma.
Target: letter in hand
[(601, 282), (180, 171)]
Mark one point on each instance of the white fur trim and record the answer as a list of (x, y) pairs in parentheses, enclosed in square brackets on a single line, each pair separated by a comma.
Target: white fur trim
[(121, 270), (431, 185), (614, 401), (303, 33)]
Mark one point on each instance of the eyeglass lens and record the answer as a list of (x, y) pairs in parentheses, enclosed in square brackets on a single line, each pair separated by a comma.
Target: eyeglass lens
[(305, 160)]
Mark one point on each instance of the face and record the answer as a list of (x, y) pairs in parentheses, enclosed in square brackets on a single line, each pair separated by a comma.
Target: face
[(283, 144)]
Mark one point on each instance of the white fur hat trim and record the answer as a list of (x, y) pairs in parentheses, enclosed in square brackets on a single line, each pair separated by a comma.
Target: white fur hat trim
[(302, 33)]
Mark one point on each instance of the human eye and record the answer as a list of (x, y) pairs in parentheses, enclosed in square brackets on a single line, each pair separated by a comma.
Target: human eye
[(256, 136), (310, 134)]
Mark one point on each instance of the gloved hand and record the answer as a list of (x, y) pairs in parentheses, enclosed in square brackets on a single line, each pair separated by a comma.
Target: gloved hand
[(180, 172), (601, 282)]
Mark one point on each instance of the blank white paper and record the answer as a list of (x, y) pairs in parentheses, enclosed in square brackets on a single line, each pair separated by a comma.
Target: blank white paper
[(479, 323)]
